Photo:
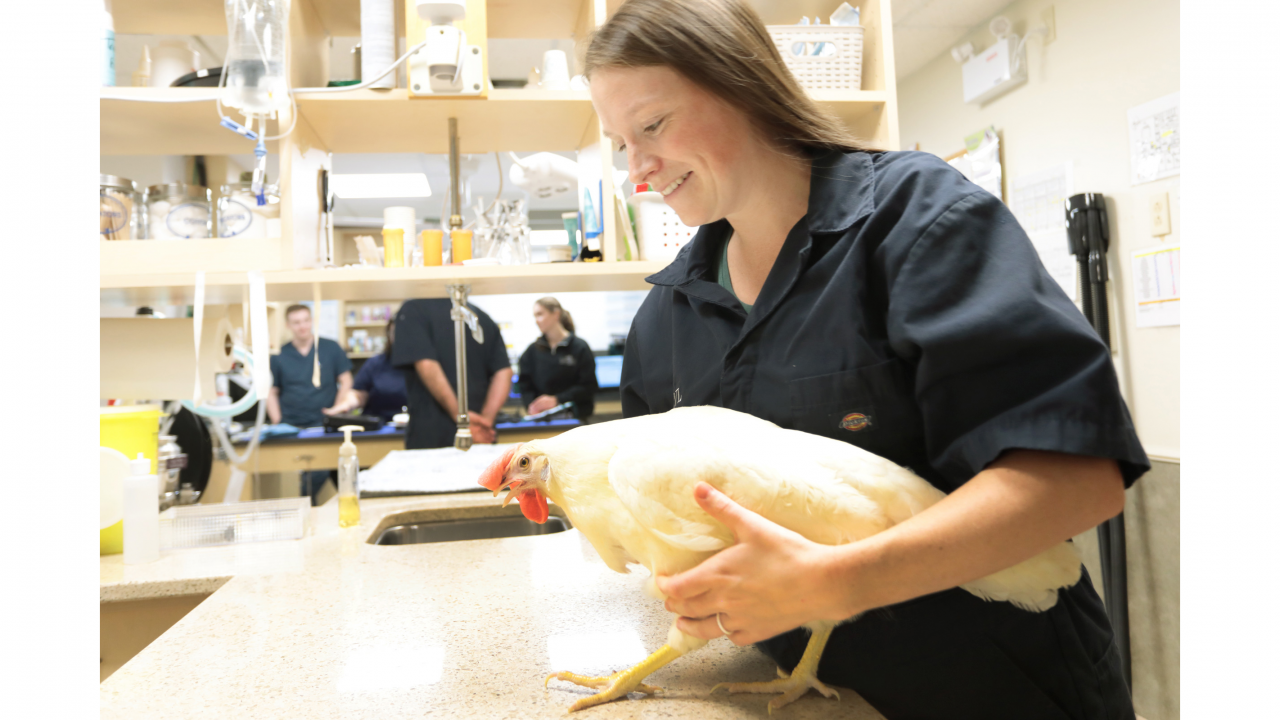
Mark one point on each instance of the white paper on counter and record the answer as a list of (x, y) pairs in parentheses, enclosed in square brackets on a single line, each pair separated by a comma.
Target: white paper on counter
[(1154, 140), (440, 470), (1055, 252), (1157, 286)]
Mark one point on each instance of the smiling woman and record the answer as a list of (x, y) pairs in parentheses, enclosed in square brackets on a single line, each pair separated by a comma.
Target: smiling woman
[(878, 299)]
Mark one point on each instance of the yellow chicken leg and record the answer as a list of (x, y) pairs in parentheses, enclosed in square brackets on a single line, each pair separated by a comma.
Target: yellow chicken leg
[(804, 676), (619, 683)]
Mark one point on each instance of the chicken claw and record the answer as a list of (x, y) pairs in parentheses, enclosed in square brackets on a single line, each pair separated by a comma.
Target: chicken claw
[(619, 684), (599, 682), (797, 683)]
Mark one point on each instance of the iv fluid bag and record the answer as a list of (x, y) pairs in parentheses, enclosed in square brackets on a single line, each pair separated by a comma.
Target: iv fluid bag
[(255, 73)]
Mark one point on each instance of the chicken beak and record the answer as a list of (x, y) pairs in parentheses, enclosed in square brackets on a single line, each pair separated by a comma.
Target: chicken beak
[(494, 477)]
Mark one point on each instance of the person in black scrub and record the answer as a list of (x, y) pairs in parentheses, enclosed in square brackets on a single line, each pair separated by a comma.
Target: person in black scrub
[(425, 353), (880, 299), (559, 366), (379, 387)]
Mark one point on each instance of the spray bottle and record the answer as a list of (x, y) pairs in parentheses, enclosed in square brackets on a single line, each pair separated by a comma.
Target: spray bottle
[(348, 479)]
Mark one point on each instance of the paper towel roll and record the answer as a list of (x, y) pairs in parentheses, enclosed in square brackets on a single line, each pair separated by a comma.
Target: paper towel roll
[(377, 40), (153, 359)]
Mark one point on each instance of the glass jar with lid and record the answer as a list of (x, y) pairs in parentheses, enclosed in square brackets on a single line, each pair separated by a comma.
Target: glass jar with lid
[(178, 211), (240, 215), (120, 208)]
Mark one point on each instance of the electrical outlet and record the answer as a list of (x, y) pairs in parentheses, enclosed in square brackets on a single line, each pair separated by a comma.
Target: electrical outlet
[(1160, 222), (1046, 17)]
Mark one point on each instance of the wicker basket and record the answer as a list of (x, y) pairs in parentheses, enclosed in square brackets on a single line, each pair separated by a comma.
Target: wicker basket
[(840, 71)]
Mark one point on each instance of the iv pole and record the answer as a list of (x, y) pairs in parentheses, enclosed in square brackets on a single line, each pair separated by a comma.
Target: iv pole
[(1089, 238)]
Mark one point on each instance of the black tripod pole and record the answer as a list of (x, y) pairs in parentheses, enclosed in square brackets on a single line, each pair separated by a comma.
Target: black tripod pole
[(1088, 236)]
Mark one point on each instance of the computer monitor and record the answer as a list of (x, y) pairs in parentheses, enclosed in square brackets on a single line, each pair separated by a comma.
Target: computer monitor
[(609, 371)]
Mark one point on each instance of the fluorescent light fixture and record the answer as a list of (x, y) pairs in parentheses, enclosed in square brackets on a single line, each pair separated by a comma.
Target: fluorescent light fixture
[(380, 185)]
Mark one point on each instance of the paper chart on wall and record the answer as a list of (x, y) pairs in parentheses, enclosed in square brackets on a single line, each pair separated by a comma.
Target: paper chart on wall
[(1037, 201), (1154, 140), (1157, 286)]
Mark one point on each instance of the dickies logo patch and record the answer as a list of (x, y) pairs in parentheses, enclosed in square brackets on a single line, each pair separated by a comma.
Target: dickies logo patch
[(853, 422)]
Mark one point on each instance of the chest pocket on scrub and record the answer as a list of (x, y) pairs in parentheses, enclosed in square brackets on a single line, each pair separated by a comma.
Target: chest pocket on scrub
[(872, 407)]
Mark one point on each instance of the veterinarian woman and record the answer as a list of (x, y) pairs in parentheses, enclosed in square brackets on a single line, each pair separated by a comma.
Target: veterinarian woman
[(882, 299)]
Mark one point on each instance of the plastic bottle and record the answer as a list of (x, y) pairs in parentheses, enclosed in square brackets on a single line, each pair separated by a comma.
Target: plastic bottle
[(256, 83), (141, 513), (392, 247), (348, 480), (432, 247), (109, 51)]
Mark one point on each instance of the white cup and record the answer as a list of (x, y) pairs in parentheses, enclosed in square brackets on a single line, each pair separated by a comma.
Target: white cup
[(555, 70), (171, 60)]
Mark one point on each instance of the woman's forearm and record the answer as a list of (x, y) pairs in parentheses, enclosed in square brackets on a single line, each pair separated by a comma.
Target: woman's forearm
[(1021, 505)]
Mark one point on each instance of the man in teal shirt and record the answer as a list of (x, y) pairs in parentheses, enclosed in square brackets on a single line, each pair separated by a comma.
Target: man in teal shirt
[(296, 398)]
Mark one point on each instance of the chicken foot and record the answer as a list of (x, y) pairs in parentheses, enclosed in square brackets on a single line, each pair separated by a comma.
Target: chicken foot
[(620, 683), (804, 676)]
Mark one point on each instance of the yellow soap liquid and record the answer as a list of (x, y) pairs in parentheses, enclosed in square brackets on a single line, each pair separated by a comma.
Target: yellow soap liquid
[(348, 511)]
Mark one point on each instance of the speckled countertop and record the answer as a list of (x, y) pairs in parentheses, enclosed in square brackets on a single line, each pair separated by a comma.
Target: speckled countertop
[(331, 626)]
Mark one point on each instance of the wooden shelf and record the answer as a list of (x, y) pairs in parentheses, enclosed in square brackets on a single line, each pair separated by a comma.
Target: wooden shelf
[(383, 121), (177, 288), (129, 127), (171, 17), (361, 355), (133, 258)]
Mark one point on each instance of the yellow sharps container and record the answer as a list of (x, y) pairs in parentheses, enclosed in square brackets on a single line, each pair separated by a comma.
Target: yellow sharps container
[(130, 429)]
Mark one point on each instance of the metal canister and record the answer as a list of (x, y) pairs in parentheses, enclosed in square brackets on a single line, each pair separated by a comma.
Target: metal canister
[(119, 208), (170, 460), (178, 211)]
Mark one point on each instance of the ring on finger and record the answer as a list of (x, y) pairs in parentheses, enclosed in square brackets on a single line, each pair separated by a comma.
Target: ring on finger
[(721, 625)]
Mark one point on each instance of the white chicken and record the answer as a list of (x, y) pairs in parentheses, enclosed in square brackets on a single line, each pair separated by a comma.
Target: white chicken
[(628, 486)]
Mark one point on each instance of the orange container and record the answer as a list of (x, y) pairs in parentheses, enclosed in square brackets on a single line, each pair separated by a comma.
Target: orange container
[(461, 245), (393, 247), (432, 247)]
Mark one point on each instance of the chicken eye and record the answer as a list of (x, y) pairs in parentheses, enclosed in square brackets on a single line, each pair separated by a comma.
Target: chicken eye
[(524, 463)]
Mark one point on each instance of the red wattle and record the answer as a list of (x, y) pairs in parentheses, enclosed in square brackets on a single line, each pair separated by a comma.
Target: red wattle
[(534, 506)]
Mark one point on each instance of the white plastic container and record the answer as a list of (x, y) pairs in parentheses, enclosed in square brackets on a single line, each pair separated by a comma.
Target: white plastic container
[(193, 526), (240, 215), (659, 231), (838, 70), (141, 513)]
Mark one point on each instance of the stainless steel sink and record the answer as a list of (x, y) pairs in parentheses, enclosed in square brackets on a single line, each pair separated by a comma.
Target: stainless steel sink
[(473, 529)]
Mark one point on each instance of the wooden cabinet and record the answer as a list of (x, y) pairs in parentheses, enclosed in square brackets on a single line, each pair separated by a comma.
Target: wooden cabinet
[(374, 121)]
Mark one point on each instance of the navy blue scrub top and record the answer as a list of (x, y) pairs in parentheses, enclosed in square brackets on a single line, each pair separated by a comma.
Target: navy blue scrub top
[(424, 331), (385, 385), (907, 313), (300, 401)]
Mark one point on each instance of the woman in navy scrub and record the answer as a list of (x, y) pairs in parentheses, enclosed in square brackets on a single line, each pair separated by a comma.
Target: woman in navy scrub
[(379, 388), (881, 299)]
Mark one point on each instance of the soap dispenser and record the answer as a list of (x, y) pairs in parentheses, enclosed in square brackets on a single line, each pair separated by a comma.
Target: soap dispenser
[(348, 480), (141, 513)]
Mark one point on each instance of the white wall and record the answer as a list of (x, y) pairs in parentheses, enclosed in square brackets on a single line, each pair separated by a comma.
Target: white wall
[(1109, 56)]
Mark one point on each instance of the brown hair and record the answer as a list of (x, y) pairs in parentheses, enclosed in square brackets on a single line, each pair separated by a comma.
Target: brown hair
[(296, 308), (723, 47), (551, 304)]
